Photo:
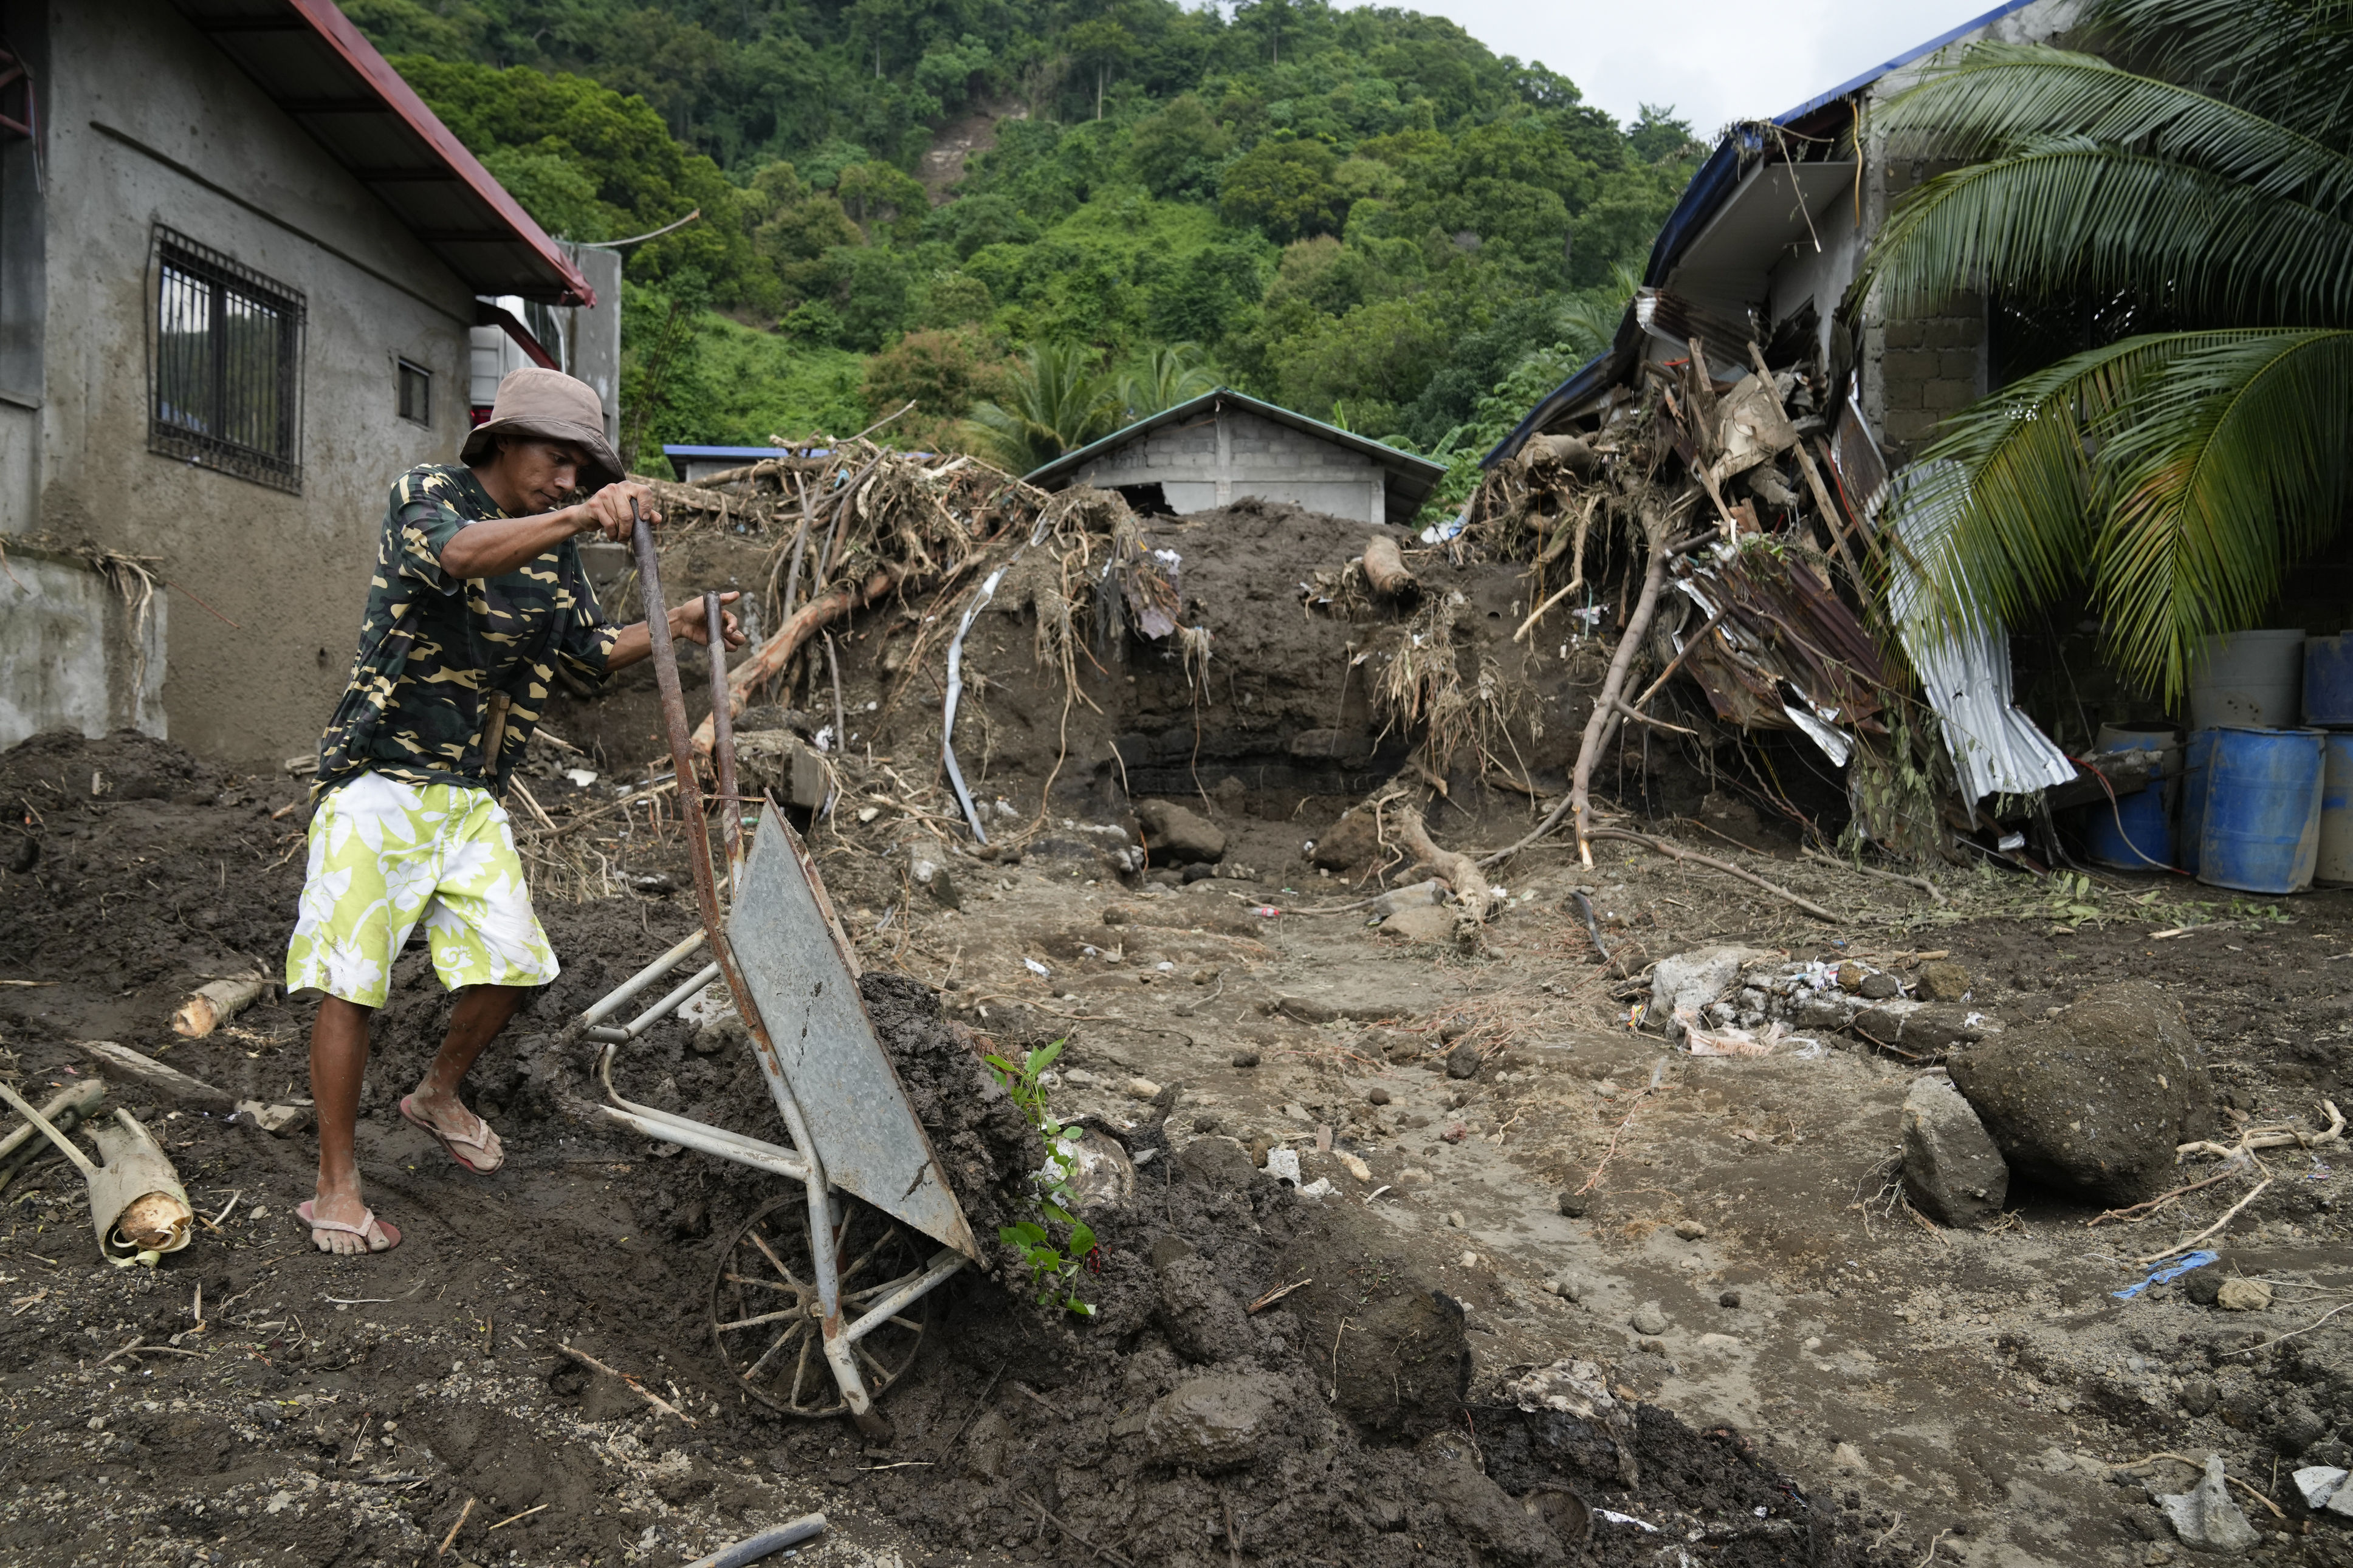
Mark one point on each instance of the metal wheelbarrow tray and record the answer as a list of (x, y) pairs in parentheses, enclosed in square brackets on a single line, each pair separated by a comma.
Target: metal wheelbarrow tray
[(818, 1301)]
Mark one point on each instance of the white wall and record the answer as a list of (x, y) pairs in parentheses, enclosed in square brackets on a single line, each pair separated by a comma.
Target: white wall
[(72, 656)]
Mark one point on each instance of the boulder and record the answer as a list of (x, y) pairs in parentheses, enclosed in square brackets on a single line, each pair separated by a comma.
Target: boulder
[(1692, 980), (1425, 923), (1212, 1423), (1351, 841), (2094, 1100), (1490, 1519), (1952, 1172), (1173, 836)]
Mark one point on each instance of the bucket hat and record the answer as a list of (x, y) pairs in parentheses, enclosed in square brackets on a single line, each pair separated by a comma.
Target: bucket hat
[(548, 403)]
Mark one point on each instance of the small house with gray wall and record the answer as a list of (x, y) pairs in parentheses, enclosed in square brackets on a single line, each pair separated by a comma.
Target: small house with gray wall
[(242, 266), (1222, 445)]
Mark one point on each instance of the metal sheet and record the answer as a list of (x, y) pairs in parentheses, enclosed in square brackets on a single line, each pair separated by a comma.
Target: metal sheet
[(805, 984)]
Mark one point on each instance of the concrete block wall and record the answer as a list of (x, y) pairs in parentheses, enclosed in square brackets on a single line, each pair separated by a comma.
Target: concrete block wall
[(1213, 461), (1917, 370)]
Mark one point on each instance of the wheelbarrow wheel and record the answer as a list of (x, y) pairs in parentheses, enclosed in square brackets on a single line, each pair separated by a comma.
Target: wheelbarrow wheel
[(764, 1313)]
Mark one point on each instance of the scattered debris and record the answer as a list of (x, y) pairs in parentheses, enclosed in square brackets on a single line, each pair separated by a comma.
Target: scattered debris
[(153, 1076), (2204, 1517)]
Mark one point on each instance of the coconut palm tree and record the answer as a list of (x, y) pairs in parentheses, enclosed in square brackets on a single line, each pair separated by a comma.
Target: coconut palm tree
[(1165, 376), (1056, 401), (2199, 164)]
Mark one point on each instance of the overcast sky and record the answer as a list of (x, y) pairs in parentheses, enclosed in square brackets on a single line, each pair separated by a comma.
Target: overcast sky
[(1714, 60)]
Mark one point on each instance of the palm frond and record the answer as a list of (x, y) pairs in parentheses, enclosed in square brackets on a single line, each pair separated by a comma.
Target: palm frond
[(1056, 401), (1996, 96), (2289, 60), (2064, 212), (2177, 475), (2216, 477)]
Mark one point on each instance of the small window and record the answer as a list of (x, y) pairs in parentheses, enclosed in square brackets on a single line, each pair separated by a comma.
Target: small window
[(416, 393), (227, 366)]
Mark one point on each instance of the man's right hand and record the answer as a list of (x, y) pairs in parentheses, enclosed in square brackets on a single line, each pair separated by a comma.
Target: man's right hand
[(608, 509)]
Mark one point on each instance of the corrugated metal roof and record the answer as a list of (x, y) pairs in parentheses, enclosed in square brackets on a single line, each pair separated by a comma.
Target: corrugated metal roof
[(317, 67)]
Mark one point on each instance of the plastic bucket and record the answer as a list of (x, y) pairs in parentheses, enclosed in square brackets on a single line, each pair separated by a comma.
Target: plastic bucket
[(2335, 865), (2263, 810), (2328, 682), (2189, 818), (2249, 679), (2133, 831)]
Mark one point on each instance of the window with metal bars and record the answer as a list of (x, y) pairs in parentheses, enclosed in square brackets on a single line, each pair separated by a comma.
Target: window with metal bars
[(227, 366), (415, 391)]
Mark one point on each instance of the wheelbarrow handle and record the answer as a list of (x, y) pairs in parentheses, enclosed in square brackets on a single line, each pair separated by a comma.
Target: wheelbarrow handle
[(681, 745)]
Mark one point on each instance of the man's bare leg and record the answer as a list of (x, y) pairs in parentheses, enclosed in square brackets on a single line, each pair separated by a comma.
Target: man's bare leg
[(339, 1053), (474, 1023)]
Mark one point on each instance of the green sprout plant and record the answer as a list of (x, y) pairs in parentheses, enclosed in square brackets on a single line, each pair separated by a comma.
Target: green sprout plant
[(1054, 1266)]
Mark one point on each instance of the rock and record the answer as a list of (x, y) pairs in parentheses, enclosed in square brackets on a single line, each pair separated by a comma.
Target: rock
[(1173, 836), (1691, 1230), (1205, 976), (2201, 1286), (1415, 897), (1849, 1460), (1567, 1286), (1246, 1057), (1351, 841), (1572, 1205), (1942, 981), (2205, 1518), (1424, 922), (1376, 1095), (1649, 1320), (1692, 980), (1952, 1172), (2095, 1100), (1212, 1423), (1140, 1088), (2300, 1427), (782, 763), (1352, 1165), (1932, 1027), (1200, 1317), (1879, 987), (1469, 1261), (2323, 1486), (1729, 1298), (1849, 975), (2199, 1394), (2243, 1296), (1454, 1220), (1464, 1060)]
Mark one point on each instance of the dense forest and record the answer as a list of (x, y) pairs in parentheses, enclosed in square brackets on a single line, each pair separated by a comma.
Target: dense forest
[(1366, 215)]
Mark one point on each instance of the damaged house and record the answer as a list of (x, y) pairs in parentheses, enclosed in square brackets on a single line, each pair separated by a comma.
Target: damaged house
[(1796, 410), (246, 277)]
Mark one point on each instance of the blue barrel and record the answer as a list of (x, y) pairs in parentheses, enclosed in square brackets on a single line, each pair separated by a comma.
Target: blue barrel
[(2190, 828), (2263, 810), (2336, 866), (2131, 832), (2328, 682)]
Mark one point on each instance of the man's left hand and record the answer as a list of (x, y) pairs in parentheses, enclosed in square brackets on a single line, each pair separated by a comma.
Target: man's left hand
[(687, 621)]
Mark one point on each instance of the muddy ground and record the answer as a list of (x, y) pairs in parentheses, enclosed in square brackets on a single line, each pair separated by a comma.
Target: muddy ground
[(1817, 1376)]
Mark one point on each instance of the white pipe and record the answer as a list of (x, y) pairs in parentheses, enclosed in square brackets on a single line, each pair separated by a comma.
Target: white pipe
[(955, 690)]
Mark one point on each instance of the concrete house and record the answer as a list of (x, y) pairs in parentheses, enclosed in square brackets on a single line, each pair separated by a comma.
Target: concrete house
[(242, 268), (1222, 445)]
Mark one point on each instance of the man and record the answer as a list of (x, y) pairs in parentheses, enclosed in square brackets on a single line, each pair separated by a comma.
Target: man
[(477, 594)]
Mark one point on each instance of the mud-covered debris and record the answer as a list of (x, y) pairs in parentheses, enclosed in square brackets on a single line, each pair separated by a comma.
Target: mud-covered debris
[(1202, 1319), (126, 1064), (1952, 1172), (1942, 980), (2243, 1296), (2095, 1099), (1353, 840), (1422, 923), (1217, 1422), (1692, 981)]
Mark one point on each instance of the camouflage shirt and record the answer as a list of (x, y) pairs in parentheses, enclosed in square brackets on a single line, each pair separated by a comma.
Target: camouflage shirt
[(435, 649)]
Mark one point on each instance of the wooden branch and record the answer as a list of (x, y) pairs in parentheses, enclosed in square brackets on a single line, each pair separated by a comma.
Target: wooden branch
[(1676, 663), (1629, 711), (642, 1392), (1606, 714), (1677, 852), (1922, 883), (771, 656), (2227, 1215), (1458, 872)]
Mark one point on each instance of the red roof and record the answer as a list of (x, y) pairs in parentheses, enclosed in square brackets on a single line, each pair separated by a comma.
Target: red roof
[(317, 67)]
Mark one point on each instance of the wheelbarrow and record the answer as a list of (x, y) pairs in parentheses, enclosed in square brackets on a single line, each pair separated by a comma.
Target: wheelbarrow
[(819, 1301)]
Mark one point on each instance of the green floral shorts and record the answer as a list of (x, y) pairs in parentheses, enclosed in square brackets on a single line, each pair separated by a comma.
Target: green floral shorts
[(385, 853)]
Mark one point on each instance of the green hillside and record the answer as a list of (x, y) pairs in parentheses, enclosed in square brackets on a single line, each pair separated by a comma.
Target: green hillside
[(1364, 214)]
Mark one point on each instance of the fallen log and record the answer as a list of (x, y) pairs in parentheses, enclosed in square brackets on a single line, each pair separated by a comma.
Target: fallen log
[(214, 1004), (1386, 572), (770, 658), (154, 1076), (1458, 871)]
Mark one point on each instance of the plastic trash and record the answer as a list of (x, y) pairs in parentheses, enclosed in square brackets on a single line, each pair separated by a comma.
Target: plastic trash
[(2167, 1274), (1034, 967)]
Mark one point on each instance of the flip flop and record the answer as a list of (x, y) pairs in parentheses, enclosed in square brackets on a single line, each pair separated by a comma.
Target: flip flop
[(450, 1143), (370, 1229)]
